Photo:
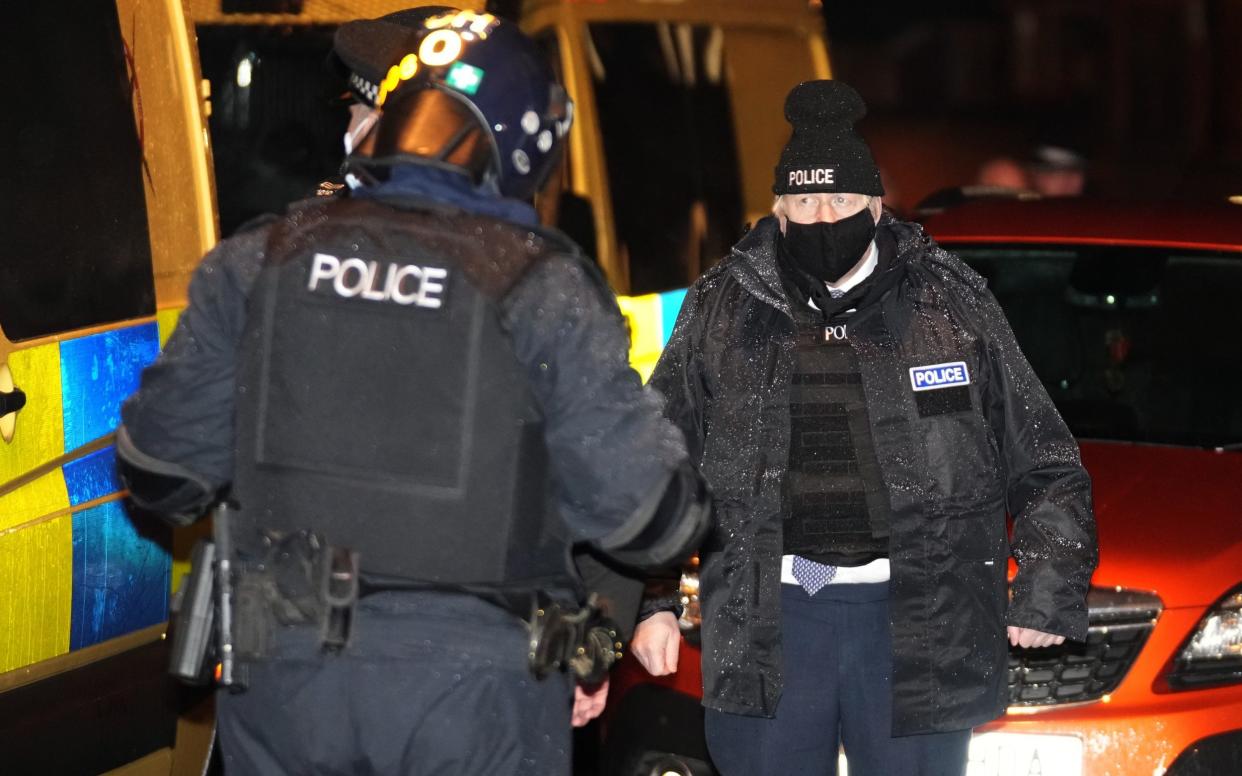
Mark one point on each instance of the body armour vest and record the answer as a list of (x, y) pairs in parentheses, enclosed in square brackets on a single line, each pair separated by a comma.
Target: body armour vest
[(380, 403), (836, 505)]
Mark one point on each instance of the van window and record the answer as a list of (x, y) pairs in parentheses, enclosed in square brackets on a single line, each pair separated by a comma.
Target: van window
[(74, 223), (278, 114), (666, 120)]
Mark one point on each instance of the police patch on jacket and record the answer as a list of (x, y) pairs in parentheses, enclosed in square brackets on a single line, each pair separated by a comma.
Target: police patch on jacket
[(378, 281), (941, 388), (837, 333)]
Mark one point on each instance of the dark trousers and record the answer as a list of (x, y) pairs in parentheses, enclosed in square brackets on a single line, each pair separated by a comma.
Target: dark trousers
[(837, 667), (431, 684)]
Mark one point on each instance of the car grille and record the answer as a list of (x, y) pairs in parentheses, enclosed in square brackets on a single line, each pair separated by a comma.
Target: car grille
[(1119, 623)]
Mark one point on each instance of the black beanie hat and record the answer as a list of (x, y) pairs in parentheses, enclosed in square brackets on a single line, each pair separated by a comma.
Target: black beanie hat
[(825, 154)]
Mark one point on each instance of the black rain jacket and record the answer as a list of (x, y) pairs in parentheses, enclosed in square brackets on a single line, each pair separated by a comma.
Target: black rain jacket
[(608, 445), (952, 472)]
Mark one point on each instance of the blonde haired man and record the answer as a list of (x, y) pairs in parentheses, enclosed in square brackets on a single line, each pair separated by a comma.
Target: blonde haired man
[(855, 399)]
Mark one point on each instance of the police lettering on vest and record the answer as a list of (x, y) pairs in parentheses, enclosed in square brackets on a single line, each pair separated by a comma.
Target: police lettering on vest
[(408, 284), (835, 333), (815, 175), (929, 378)]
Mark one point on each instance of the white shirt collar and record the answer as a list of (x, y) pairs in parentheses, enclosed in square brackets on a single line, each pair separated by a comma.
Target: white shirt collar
[(861, 271)]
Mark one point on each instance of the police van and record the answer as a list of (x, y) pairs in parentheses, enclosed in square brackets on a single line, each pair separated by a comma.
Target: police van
[(139, 133)]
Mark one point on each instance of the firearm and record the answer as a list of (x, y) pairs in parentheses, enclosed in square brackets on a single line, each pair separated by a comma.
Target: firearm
[(228, 673), (194, 609), (202, 634)]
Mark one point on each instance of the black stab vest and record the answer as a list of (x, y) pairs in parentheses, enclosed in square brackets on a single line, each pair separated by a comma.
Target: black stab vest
[(836, 506), (380, 403)]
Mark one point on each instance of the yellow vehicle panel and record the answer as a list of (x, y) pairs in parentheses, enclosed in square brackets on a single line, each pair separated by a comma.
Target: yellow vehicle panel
[(169, 111), (757, 83), (83, 583), (313, 11), (650, 319), (35, 546)]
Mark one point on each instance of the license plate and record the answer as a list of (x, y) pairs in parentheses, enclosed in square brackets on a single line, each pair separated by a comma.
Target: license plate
[(1020, 754)]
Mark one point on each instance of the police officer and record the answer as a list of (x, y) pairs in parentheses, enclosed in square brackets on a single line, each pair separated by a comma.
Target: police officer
[(871, 420), (418, 393)]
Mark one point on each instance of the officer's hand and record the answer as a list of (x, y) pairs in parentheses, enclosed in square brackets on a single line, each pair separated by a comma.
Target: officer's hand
[(589, 702), (656, 642), (1029, 637)]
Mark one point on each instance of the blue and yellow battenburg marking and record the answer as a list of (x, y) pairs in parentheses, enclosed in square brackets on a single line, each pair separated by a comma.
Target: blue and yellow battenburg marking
[(442, 46), (650, 318), (76, 570)]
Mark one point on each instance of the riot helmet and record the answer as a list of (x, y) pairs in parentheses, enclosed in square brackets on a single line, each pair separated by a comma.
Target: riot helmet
[(458, 90)]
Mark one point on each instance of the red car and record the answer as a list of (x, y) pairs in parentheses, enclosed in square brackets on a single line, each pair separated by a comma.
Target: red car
[(1129, 313)]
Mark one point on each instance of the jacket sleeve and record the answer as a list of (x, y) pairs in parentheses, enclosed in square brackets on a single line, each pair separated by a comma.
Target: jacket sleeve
[(176, 441), (677, 377), (1048, 492), (612, 453), (617, 590)]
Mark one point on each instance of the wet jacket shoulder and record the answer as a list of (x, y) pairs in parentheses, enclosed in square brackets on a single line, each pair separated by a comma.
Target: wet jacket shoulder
[(609, 443)]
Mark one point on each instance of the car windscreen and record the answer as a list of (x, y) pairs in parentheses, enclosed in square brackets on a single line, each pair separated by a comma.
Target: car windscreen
[(278, 115), (1135, 344)]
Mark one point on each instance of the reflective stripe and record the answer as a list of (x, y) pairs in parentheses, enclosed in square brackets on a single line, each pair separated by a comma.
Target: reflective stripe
[(72, 579), (670, 306), (651, 318), (167, 321), (36, 560), (646, 320)]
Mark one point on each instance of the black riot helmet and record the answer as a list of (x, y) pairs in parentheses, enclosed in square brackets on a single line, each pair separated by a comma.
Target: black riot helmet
[(455, 89)]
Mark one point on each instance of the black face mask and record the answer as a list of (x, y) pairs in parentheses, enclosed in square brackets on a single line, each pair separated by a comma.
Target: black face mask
[(828, 251)]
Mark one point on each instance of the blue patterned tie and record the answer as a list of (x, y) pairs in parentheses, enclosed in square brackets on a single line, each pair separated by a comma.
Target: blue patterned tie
[(811, 575)]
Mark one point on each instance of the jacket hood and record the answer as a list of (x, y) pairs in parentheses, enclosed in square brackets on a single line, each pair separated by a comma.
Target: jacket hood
[(753, 264)]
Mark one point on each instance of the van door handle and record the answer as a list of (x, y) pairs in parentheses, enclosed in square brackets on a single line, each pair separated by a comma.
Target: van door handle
[(12, 401)]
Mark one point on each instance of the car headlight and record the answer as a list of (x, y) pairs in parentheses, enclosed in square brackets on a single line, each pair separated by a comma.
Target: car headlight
[(1213, 654)]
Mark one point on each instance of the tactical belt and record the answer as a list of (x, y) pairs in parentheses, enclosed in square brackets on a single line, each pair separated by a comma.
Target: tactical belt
[(300, 580), (563, 637)]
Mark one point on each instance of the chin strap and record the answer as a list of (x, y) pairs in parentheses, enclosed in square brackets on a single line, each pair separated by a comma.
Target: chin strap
[(362, 120)]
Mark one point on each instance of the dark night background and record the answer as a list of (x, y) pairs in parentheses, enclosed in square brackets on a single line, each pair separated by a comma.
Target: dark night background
[(1150, 91)]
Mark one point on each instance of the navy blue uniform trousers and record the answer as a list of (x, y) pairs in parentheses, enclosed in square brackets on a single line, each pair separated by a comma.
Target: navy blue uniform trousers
[(837, 669), (431, 684)]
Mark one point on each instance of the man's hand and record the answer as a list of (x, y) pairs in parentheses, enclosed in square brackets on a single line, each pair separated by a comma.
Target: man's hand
[(1029, 637), (656, 642), (589, 702)]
